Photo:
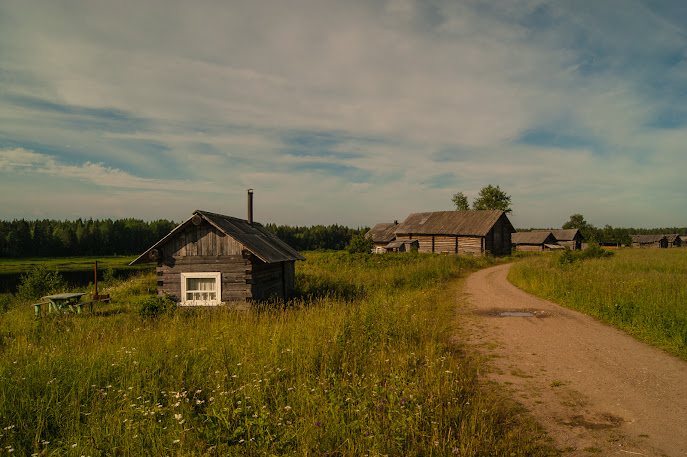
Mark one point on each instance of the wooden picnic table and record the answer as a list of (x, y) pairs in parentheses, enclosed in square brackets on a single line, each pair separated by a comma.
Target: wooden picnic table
[(61, 302)]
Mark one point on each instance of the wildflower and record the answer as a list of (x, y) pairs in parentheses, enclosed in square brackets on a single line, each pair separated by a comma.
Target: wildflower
[(74, 445), (177, 416), (318, 424), (287, 408), (403, 400), (175, 441)]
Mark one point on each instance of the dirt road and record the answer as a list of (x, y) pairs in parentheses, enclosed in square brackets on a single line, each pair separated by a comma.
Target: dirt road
[(596, 390)]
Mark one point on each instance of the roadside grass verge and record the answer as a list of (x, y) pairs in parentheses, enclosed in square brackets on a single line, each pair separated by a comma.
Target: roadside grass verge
[(641, 291), (359, 363)]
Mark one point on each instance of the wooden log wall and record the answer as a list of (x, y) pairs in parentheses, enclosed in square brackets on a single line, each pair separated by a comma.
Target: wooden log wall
[(441, 244), (236, 275), (470, 245), (529, 247), (270, 280)]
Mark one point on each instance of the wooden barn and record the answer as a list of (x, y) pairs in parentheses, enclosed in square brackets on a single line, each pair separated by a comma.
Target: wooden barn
[(683, 241), (674, 240), (569, 237), (473, 232), (211, 259), (649, 241), (537, 240), (381, 235)]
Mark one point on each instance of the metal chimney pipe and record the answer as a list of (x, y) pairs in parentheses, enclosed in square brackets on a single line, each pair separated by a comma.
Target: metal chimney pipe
[(250, 206)]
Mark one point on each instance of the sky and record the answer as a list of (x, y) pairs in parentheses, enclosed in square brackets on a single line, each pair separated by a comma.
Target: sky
[(343, 112)]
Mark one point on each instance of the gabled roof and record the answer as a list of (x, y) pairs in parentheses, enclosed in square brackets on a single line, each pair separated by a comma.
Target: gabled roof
[(383, 232), (260, 242), (562, 234), (565, 234), (465, 223), (533, 237), (647, 238), (672, 237)]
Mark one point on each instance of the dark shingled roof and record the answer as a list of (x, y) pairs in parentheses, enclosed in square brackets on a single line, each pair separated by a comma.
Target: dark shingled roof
[(533, 237), (463, 223), (642, 239), (565, 234), (262, 243), (383, 232), (672, 237)]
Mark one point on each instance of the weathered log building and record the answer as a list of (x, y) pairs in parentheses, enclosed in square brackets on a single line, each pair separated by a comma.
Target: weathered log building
[(471, 232), (212, 259), (569, 237), (674, 240), (536, 240), (381, 235), (649, 241)]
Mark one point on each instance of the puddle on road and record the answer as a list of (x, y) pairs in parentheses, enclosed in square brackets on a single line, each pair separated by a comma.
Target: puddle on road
[(516, 314)]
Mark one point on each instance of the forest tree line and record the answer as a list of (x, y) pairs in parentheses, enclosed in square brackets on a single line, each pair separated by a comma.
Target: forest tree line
[(55, 238)]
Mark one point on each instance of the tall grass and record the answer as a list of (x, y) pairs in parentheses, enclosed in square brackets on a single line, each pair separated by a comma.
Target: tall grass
[(641, 291), (360, 363)]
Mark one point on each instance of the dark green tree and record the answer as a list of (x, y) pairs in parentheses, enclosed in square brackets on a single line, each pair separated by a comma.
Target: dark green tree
[(576, 222), (491, 197), (460, 201), (360, 244)]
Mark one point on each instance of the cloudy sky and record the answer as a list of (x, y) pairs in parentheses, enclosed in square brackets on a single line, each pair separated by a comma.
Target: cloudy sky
[(349, 112)]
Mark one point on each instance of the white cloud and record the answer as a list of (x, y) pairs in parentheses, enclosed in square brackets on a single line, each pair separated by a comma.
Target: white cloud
[(207, 92)]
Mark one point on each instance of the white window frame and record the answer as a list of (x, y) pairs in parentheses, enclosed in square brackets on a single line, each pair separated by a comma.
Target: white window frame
[(216, 275)]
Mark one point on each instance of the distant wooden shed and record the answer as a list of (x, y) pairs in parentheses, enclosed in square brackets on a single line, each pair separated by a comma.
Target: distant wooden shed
[(381, 235), (674, 240), (683, 241), (569, 237), (649, 241), (537, 240), (471, 232), (211, 259), (403, 246)]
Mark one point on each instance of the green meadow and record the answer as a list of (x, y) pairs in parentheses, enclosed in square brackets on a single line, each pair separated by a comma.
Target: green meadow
[(362, 362), (641, 291)]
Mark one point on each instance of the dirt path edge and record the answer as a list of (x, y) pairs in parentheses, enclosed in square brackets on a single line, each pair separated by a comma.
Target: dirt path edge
[(594, 389)]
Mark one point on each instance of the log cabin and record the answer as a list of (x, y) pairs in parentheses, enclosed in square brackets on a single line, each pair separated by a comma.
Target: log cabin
[(649, 241), (674, 240), (471, 232), (211, 259), (381, 235), (569, 237), (536, 240)]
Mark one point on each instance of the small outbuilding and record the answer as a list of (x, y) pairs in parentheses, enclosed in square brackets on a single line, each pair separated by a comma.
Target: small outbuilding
[(381, 235), (211, 259), (649, 241), (403, 246), (472, 232), (674, 240), (537, 240), (571, 238)]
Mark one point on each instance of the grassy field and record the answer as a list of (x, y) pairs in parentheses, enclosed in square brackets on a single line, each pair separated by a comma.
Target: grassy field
[(14, 266), (361, 363), (641, 291)]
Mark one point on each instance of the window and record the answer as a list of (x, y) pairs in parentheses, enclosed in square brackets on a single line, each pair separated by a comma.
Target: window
[(201, 288)]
